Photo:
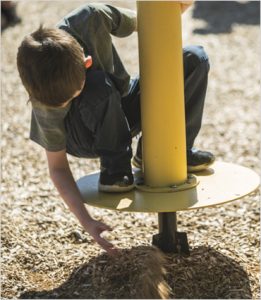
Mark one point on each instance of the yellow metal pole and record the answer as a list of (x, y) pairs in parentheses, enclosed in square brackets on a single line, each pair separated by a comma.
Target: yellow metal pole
[(162, 93)]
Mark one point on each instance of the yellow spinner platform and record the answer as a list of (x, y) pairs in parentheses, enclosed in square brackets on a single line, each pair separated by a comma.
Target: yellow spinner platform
[(221, 183)]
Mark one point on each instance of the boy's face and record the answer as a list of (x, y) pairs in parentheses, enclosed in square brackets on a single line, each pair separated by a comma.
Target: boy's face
[(88, 64)]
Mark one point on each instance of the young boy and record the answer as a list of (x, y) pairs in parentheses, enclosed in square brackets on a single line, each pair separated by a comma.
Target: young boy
[(84, 103)]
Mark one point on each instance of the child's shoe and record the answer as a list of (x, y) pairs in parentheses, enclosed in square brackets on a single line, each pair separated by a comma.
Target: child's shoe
[(197, 160), (115, 183)]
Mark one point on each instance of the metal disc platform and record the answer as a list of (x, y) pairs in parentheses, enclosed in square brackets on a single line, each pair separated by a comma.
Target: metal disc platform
[(221, 183)]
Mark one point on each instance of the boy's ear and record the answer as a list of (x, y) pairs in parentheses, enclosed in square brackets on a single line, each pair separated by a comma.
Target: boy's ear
[(88, 62)]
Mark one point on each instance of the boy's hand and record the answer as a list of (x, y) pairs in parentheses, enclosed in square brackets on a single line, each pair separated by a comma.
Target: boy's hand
[(95, 228), (62, 178)]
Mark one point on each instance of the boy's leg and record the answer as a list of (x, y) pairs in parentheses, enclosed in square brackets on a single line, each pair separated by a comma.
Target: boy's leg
[(113, 138), (131, 106), (132, 110), (97, 125), (113, 145), (196, 67), (80, 138)]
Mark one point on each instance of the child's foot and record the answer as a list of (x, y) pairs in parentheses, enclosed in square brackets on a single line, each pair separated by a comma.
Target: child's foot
[(116, 183), (197, 160)]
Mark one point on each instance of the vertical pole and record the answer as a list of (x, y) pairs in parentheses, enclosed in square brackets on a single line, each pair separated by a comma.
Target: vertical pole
[(166, 221), (162, 93), (169, 239), (162, 108)]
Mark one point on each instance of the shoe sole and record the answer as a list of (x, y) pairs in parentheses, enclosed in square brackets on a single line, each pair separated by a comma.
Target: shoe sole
[(115, 188), (199, 168), (136, 163)]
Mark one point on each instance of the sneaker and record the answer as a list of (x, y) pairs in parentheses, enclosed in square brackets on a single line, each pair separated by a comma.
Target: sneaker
[(115, 183), (197, 160)]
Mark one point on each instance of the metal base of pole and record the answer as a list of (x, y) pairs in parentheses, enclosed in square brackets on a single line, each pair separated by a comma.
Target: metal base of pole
[(168, 239)]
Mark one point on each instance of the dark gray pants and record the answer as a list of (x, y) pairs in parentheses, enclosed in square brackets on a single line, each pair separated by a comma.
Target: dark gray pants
[(101, 124)]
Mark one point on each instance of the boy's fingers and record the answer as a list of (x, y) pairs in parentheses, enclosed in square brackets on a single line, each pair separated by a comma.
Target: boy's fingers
[(104, 243), (104, 227), (107, 246), (99, 228)]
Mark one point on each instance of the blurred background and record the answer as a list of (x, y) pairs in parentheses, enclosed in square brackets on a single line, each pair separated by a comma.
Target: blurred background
[(42, 243)]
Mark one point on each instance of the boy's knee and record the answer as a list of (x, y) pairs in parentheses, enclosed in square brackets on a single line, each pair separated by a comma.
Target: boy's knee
[(197, 56)]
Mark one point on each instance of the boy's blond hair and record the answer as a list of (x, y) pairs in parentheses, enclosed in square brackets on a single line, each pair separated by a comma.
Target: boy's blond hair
[(51, 65)]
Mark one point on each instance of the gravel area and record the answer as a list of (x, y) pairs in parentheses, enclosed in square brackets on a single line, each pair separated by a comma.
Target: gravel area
[(45, 252)]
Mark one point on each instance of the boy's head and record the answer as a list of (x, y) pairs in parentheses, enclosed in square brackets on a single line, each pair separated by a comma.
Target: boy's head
[(51, 65)]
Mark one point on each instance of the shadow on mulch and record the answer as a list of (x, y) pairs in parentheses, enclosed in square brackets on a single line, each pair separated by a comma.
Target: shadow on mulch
[(220, 16), (138, 272)]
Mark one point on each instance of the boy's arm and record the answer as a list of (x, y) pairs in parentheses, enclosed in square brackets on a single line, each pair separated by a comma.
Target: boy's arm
[(63, 180), (120, 22)]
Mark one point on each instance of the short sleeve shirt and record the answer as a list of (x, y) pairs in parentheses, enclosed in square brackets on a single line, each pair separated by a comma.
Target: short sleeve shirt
[(92, 26)]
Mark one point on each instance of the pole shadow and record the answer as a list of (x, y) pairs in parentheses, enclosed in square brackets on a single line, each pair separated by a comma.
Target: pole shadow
[(220, 16), (140, 273)]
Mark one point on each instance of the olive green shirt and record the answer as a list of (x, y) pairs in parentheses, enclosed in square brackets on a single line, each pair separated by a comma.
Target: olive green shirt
[(91, 25)]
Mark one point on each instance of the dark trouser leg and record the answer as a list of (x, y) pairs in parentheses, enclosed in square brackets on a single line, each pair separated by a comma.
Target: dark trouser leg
[(196, 67), (113, 143), (80, 139), (97, 127), (131, 106)]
